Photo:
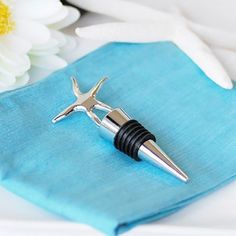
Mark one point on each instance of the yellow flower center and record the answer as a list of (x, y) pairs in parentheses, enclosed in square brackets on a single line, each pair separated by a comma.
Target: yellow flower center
[(6, 22)]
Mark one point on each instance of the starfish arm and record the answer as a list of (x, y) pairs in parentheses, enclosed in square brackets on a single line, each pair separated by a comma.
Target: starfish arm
[(75, 87), (97, 87), (102, 106), (94, 118), (64, 113)]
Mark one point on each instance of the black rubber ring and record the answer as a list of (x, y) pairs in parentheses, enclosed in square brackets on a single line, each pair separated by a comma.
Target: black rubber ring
[(129, 130), (130, 137), (126, 138), (135, 143), (121, 132), (143, 138)]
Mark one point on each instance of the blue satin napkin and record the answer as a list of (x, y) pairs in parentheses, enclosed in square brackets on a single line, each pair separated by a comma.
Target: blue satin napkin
[(67, 168)]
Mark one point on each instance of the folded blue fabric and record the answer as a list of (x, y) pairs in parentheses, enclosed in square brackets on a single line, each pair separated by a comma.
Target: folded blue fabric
[(69, 169)]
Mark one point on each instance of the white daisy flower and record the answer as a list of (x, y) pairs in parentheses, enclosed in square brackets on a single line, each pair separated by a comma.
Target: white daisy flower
[(29, 37)]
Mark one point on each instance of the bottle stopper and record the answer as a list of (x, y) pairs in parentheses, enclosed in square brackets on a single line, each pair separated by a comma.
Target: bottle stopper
[(125, 133)]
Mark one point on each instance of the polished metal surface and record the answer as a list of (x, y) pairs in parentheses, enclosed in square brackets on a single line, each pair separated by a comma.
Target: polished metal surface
[(85, 102), (112, 122), (153, 154)]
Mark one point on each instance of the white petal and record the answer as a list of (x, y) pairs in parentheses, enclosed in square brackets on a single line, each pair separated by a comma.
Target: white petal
[(36, 9), (70, 51), (72, 16), (36, 73), (57, 40), (70, 45), (32, 31), (6, 80), (51, 43), (85, 46), (13, 63), (51, 47), (128, 32), (44, 52), (21, 80), (59, 36), (3, 71), (50, 62), (90, 18), (16, 43), (56, 17), (18, 82)]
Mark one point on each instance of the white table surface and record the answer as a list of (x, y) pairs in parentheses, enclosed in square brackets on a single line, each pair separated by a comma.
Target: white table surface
[(214, 214)]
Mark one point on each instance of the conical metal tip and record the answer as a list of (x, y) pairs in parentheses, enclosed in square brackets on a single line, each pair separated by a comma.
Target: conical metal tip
[(152, 153)]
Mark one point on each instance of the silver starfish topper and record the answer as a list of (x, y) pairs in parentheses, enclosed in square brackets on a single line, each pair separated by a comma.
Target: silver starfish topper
[(85, 102), (126, 134)]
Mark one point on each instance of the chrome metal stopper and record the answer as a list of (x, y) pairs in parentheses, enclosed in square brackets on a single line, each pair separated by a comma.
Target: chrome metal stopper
[(126, 134)]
